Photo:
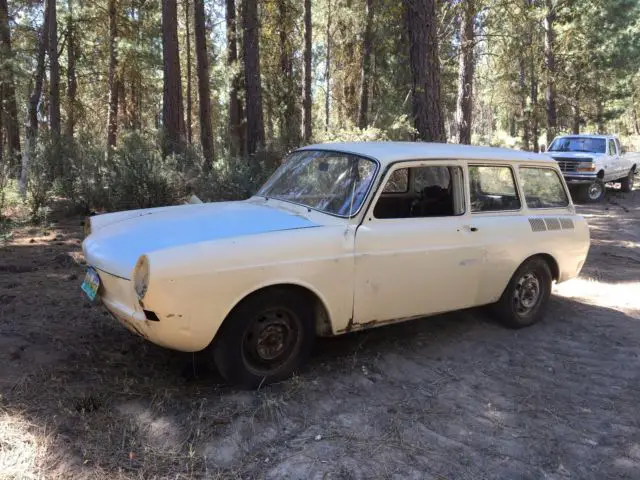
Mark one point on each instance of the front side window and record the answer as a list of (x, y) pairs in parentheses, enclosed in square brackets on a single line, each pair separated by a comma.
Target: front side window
[(542, 188), (432, 191), (612, 147), (331, 182), (492, 189), (398, 181)]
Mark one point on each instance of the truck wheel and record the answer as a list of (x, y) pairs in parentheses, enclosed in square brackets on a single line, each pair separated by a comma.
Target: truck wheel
[(525, 299), (594, 192), (265, 338), (626, 184)]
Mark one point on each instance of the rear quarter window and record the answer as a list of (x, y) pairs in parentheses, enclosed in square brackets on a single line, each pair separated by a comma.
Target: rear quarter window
[(543, 188)]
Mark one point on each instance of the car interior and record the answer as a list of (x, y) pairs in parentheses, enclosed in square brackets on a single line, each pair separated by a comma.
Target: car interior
[(492, 189), (420, 192)]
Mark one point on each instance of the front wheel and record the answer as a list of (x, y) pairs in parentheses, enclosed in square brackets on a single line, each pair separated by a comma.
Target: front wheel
[(594, 192), (626, 184), (525, 299), (265, 338)]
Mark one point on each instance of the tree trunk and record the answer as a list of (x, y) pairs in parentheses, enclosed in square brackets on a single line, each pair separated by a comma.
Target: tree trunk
[(289, 93), (365, 68), (534, 104), (8, 96), (599, 113), (465, 73), (172, 106), (425, 69), (31, 133), (112, 112), (550, 62), (2, 165), (236, 134), (327, 73), (634, 113), (576, 117), (54, 74), (306, 97), (206, 129), (524, 114), (72, 82), (1, 136), (253, 88), (187, 22), (464, 101)]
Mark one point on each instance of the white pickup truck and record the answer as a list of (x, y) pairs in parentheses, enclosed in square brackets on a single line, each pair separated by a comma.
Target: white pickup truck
[(588, 162)]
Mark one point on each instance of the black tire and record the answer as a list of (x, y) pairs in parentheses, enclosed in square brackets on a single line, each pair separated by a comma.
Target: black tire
[(265, 339), (511, 309), (592, 193), (626, 183)]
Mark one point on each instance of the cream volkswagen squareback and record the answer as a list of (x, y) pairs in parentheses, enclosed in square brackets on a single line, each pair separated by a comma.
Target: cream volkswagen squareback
[(342, 237)]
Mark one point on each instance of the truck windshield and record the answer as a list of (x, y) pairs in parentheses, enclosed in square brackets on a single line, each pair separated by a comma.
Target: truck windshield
[(579, 144), (331, 182)]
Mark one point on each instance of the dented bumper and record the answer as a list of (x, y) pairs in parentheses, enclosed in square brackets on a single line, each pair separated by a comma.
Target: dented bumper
[(167, 330)]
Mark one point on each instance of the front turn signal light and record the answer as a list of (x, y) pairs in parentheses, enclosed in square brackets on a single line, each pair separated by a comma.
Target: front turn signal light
[(590, 167)]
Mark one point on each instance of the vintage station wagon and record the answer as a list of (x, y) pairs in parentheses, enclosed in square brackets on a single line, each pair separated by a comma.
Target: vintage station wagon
[(341, 238)]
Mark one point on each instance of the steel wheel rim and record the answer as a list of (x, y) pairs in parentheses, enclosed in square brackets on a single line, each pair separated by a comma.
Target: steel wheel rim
[(595, 191), (270, 339), (527, 294)]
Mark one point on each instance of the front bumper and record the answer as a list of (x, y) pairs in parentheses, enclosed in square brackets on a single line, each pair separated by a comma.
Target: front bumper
[(580, 178), (171, 331)]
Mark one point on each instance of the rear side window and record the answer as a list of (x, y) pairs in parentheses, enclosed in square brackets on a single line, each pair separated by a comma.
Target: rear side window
[(542, 188), (492, 189)]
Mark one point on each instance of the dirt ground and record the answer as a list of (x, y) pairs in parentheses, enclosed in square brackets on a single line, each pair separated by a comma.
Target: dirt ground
[(455, 396)]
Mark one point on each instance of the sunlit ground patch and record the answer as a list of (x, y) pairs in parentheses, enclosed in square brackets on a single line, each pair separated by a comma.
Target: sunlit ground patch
[(623, 296), (22, 453)]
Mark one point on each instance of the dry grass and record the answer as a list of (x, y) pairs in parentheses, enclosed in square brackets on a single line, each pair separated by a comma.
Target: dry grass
[(25, 449)]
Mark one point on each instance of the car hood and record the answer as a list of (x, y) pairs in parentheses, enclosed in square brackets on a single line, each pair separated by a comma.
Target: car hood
[(585, 156), (120, 240)]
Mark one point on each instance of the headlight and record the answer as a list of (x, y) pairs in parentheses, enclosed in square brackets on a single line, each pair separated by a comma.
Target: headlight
[(141, 276), (587, 167), (87, 226)]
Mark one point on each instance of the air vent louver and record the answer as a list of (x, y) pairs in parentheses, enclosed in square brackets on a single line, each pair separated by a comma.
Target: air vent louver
[(537, 225), (552, 223), (567, 223)]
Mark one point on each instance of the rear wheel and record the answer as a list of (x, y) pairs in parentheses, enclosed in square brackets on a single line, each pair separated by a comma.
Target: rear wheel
[(525, 299), (626, 184), (265, 338), (594, 192)]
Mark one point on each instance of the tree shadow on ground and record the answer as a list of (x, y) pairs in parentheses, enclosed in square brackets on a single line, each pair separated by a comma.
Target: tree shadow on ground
[(453, 395)]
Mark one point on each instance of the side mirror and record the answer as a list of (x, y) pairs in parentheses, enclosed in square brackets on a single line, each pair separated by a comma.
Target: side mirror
[(543, 148)]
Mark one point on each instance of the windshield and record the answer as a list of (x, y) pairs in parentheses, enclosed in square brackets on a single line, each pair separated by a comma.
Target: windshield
[(332, 182), (579, 144)]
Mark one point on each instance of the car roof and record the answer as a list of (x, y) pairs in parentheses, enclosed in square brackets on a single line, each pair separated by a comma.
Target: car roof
[(587, 135), (389, 152)]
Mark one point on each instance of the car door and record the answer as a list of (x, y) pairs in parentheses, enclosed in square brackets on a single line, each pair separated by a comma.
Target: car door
[(415, 251), (501, 228), (614, 164)]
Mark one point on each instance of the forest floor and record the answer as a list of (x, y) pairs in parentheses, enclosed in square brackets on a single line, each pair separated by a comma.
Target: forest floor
[(454, 396)]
